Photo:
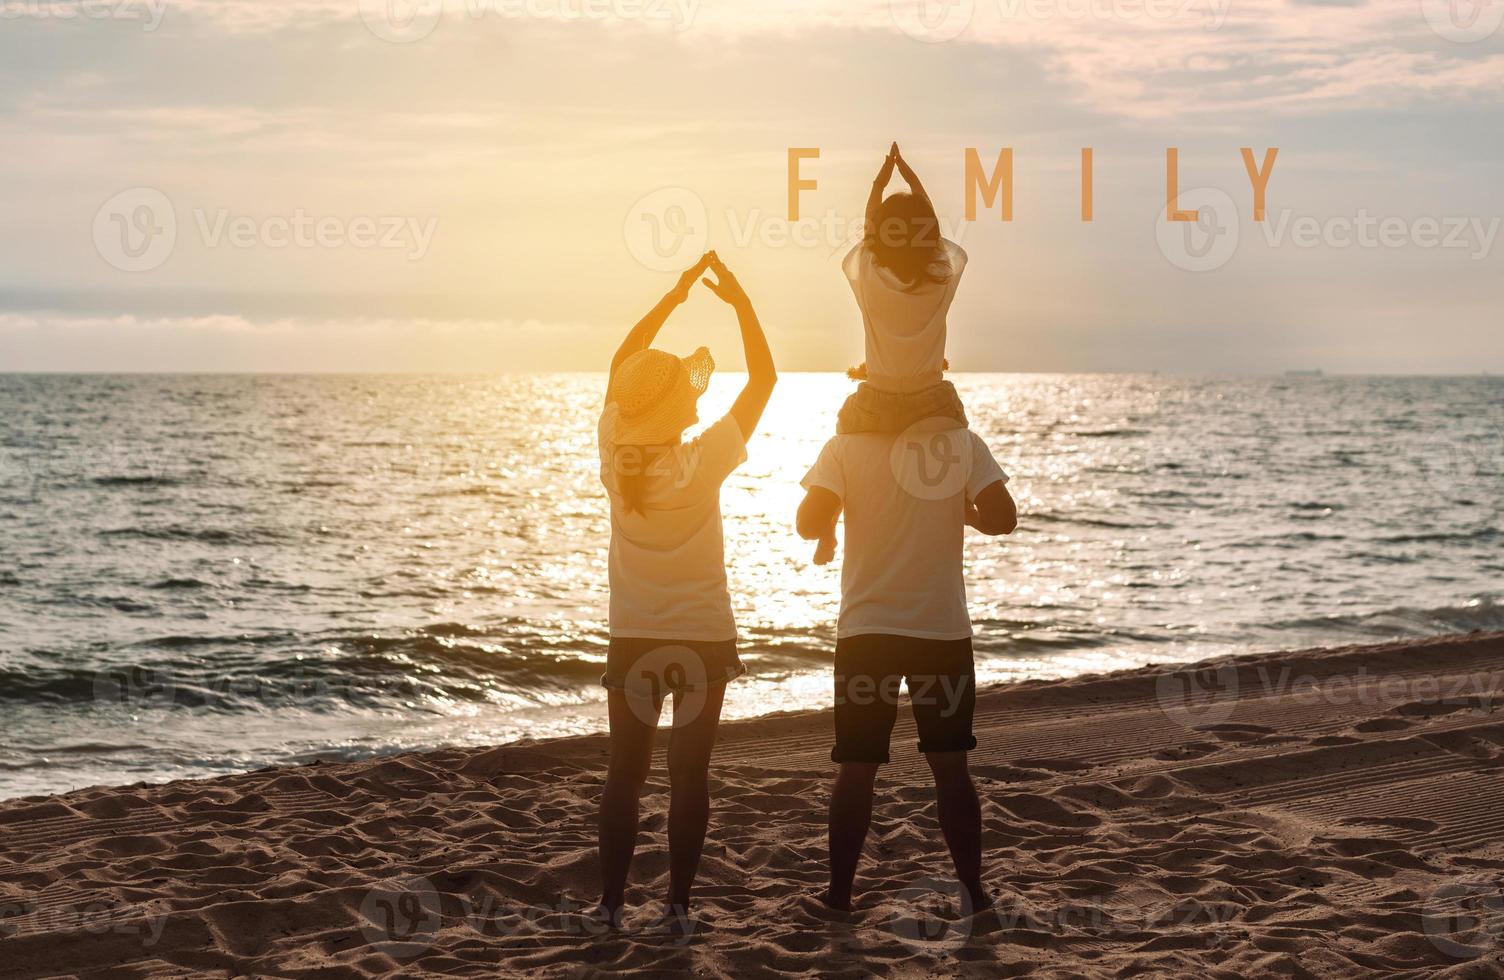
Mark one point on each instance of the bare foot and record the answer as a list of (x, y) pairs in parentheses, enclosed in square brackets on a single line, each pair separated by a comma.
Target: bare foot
[(977, 898), (674, 922), (831, 901), (606, 915)]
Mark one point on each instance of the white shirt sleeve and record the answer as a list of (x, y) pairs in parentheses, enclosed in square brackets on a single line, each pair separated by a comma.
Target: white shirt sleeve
[(851, 265), (956, 255), (827, 473), (985, 470), (719, 450)]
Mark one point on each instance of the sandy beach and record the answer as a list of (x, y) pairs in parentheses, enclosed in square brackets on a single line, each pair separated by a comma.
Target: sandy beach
[(1330, 813)]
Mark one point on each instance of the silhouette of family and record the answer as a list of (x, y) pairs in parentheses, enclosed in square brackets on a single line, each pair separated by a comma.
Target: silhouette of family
[(907, 475)]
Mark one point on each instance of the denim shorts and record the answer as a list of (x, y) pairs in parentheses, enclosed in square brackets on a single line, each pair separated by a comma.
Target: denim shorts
[(639, 665)]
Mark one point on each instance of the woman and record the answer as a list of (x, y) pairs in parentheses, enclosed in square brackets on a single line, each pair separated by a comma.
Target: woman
[(672, 629)]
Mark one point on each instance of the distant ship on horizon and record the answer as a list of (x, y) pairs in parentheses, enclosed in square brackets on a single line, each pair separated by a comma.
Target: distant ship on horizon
[(1305, 373)]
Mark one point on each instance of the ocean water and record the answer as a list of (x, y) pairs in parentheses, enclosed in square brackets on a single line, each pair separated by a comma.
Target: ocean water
[(207, 574)]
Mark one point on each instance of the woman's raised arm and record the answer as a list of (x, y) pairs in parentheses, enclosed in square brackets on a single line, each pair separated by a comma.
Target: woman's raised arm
[(761, 373), (641, 336)]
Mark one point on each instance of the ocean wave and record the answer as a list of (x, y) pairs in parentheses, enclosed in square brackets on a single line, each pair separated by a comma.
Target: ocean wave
[(1481, 614), (145, 480), (207, 535)]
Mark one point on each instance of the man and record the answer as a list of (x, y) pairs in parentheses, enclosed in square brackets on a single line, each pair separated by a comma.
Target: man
[(907, 500)]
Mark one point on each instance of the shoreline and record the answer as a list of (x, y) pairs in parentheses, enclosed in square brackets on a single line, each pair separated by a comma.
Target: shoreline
[(1313, 812)]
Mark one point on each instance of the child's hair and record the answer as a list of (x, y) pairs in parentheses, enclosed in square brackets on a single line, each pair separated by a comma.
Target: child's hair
[(905, 240)]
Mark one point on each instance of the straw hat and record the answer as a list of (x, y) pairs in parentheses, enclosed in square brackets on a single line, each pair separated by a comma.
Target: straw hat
[(655, 393)]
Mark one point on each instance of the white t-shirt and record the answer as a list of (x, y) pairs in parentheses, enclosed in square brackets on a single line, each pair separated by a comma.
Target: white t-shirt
[(668, 561), (904, 498), (905, 329)]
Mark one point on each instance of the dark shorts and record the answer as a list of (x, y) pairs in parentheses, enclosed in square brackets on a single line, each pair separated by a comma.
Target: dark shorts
[(942, 692), (655, 668), (870, 409)]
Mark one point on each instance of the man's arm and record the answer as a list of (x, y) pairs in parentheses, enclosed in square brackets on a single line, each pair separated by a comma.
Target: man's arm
[(993, 512), (818, 513)]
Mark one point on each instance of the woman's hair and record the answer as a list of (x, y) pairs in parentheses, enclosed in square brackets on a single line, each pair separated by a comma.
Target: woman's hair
[(632, 466), (905, 239)]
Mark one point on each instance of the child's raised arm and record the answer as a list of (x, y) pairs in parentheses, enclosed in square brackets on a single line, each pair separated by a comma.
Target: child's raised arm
[(907, 173), (880, 184)]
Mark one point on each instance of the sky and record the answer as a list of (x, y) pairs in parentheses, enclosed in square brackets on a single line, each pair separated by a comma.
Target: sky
[(508, 185)]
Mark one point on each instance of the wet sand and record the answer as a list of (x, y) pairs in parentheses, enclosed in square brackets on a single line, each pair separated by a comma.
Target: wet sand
[(1330, 813)]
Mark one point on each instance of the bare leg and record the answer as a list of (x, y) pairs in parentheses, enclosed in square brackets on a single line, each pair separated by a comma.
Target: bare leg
[(850, 815), (960, 821), (696, 716), (631, 755)]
